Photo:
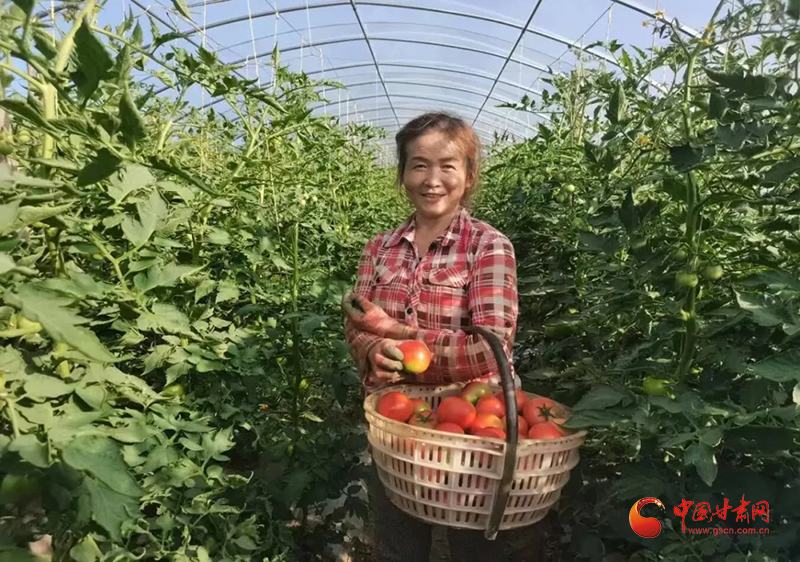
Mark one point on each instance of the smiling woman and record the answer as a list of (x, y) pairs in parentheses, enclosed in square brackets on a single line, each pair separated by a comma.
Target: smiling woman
[(438, 272)]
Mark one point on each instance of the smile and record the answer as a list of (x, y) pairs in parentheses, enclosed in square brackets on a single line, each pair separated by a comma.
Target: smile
[(432, 196)]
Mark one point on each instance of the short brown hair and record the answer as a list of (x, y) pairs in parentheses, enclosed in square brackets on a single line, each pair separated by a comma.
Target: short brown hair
[(456, 129)]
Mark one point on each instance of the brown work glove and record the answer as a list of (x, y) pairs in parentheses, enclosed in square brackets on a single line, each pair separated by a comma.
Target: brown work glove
[(385, 361)]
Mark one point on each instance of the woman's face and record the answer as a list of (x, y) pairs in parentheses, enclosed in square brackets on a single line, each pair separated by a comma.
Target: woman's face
[(435, 175)]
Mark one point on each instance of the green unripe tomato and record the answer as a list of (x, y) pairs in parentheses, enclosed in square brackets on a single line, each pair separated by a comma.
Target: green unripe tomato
[(712, 272), (686, 279), (680, 254), (569, 188), (174, 390), (24, 137), (6, 142), (657, 387)]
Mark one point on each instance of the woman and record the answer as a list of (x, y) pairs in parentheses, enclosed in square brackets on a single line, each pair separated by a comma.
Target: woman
[(438, 272)]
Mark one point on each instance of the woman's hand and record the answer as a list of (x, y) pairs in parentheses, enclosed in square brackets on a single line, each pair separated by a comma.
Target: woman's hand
[(369, 317), (385, 361)]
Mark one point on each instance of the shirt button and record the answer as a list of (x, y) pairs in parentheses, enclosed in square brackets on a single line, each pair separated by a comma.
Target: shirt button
[(409, 311), (432, 247)]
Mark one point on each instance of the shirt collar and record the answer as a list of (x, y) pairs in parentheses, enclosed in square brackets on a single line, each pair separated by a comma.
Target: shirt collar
[(449, 237)]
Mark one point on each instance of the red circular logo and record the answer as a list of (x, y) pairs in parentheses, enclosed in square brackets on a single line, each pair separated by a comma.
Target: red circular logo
[(646, 527)]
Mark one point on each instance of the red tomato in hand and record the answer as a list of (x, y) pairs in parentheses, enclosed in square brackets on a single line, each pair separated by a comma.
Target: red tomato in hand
[(545, 430), (416, 356), (425, 418), (491, 405), (539, 410), (455, 409), (450, 428), (395, 405)]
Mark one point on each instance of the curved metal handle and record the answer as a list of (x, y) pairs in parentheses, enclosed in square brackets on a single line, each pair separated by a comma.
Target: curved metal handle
[(512, 430)]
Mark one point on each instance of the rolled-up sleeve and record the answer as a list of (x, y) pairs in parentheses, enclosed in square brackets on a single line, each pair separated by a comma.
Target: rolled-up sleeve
[(358, 341), (493, 304)]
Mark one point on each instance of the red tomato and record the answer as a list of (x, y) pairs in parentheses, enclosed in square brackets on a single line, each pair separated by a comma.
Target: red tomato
[(416, 356), (522, 399), (539, 410), (545, 430), (420, 405), (423, 419), (395, 405), (491, 405), (522, 424), (486, 420), (450, 428), (455, 409), (490, 432), (474, 391)]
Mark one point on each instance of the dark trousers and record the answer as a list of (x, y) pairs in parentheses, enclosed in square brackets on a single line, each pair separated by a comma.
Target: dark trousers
[(400, 537)]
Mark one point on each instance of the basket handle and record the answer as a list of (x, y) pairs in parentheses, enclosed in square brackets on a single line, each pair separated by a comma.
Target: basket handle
[(512, 428)]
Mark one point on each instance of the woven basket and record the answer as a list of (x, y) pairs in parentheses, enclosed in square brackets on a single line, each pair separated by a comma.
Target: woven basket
[(467, 481)]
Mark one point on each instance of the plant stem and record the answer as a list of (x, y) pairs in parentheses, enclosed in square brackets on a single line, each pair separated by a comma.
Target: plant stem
[(297, 358), (49, 92), (12, 416), (24, 75), (692, 211)]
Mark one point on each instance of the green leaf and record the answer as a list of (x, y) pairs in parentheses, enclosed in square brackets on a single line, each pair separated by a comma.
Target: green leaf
[(133, 126), (591, 418), (86, 550), (717, 106), (151, 215), (616, 104), (782, 171), (94, 62), (62, 324), (28, 111), (762, 308), (685, 157), (665, 403), (130, 179), (218, 236), (26, 6), (244, 541), (30, 449), (796, 394), (597, 243), (702, 457), (711, 436), (627, 213), (165, 317), (601, 396), (42, 386), (217, 443), (182, 8), (79, 285), (101, 457), (8, 216), (100, 168), (167, 276), (94, 395), (310, 324), (793, 9), (30, 215), (6, 263), (107, 507), (752, 85), (228, 291), (779, 368)]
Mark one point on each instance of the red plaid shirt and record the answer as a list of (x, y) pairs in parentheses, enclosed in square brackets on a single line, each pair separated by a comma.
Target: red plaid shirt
[(469, 277)]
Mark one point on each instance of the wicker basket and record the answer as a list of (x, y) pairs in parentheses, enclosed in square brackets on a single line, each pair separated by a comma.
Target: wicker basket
[(467, 481)]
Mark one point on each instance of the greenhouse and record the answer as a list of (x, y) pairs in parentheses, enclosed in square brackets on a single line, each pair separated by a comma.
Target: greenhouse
[(354, 280)]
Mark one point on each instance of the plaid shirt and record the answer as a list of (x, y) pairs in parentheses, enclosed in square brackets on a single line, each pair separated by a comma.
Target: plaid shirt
[(468, 277)]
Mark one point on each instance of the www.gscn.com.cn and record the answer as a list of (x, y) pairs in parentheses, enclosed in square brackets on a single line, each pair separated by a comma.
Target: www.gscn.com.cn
[(650, 527), (726, 531)]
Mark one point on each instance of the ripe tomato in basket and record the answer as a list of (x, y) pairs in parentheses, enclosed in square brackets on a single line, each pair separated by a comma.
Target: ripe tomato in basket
[(449, 427), (420, 405), (522, 398), (482, 421), (491, 405), (455, 409), (539, 410), (395, 405), (523, 426), (425, 418), (490, 432), (545, 430)]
